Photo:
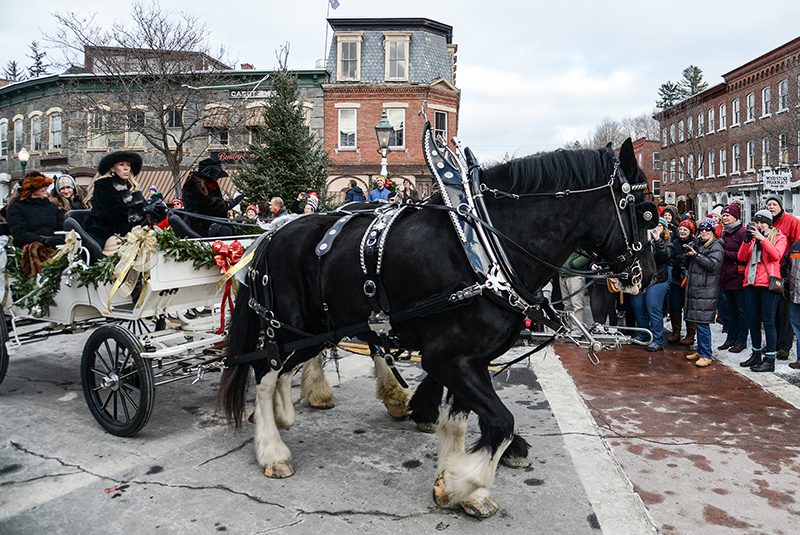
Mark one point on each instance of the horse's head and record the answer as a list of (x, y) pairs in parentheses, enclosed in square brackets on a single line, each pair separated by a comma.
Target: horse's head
[(623, 243)]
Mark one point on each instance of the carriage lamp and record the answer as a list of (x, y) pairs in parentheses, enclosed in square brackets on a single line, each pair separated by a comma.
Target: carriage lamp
[(383, 130), (23, 156)]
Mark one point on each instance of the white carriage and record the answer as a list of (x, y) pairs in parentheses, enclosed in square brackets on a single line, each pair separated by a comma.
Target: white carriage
[(141, 340)]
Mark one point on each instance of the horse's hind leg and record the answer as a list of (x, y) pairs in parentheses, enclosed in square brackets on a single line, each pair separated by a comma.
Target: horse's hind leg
[(314, 387), (389, 391), (464, 478), (271, 453)]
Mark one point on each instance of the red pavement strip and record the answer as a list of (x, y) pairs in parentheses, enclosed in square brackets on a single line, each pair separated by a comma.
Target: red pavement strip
[(708, 450)]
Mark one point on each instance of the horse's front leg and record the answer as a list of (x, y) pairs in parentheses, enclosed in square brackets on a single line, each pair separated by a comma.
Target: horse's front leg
[(388, 390), (284, 408), (271, 453), (464, 478), (314, 387)]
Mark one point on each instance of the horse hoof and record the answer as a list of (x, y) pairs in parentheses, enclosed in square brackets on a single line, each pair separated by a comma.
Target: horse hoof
[(322, 405), (398, 412), (483, 508), (515, 462), (426, 427), (279, 470), (439, 493)]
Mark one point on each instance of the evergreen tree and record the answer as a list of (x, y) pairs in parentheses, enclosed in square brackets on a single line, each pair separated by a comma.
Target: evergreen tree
[(12, 72), (668, 94), (288, 159), (692, 81), (38, 67)]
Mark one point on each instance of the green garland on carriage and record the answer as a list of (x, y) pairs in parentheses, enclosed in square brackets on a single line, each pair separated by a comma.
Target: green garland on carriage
[(38, 294)]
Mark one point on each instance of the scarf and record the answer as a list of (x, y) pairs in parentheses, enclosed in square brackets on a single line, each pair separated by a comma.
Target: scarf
[(733, 226), (755, 258)]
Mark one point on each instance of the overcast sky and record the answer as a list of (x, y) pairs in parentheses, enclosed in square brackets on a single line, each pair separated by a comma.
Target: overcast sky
[(533, 75)]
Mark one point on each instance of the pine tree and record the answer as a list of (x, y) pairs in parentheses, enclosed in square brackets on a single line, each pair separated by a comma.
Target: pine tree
[(12, 72), (38, 67), (288, 159), (669, 93), (692, 81)]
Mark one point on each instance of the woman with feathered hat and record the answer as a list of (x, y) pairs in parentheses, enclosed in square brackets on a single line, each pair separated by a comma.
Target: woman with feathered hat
[(31, 216), (117, 203)]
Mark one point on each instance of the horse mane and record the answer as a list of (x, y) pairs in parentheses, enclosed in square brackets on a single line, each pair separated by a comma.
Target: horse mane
[(551, 171)]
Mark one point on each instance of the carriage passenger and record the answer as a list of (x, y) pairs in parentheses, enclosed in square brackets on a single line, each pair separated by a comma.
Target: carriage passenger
[(202, 195), (67, 195), (702, 288), (277, 208), (31, 217), (117, 203)]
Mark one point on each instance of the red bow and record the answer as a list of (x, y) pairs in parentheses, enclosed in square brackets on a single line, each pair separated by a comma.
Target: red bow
[(227, 254)]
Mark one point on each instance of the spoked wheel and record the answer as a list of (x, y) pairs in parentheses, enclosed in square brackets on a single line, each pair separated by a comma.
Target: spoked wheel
[(117, 382), (3, 347)]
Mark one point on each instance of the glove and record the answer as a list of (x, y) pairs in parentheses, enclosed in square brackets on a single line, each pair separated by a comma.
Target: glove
[(156, 211), (236, 200), (748, 237)]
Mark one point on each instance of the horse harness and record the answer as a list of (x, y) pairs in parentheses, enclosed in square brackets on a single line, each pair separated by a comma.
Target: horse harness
[(458, 177)]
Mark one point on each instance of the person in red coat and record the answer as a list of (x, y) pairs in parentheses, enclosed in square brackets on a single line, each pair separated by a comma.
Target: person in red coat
[(762, 250), (789, 226)]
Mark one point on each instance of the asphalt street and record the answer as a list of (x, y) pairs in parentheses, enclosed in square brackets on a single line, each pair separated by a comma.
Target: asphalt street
[(606, 457)]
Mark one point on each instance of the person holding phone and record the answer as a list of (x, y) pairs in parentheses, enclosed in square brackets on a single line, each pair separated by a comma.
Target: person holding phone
[(702, 288), (762, 251), (649, 306)]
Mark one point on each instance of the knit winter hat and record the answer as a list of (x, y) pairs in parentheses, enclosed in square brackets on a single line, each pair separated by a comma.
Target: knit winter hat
[(688, 223), (763, 216), (717, 210), (772, 197), (65, 181), (706, 224), (663, 222), (33, 181), (734, 210), (313, 201)]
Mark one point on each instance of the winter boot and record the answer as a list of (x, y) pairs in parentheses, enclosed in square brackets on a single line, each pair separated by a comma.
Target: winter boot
[(767, 365), (675, 319), (689, 338), (754, 360)]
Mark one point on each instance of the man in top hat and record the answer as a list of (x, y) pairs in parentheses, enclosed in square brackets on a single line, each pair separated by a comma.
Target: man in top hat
[(201, 195)]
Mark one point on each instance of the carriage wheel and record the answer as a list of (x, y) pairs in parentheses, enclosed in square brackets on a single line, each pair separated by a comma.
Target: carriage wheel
[(3, 347), (117, 382)]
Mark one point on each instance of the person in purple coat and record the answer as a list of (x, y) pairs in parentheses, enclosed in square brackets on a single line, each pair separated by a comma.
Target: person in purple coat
[(731, 278)]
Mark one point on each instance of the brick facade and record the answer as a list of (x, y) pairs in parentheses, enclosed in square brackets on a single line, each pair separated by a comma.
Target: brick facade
[(732, 139)]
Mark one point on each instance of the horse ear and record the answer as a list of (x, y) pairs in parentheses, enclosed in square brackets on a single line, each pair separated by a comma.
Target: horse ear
[(627, 159)]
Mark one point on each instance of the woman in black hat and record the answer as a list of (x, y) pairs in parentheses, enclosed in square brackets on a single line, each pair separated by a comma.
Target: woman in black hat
[(117, 203), (201, 195)]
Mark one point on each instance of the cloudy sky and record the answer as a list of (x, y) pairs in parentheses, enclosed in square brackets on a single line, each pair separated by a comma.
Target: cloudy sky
[(533, 74)]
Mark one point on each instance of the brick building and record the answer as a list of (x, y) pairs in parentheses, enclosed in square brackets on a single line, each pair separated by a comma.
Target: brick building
[(392, 65), (737, 139), (648, 156)]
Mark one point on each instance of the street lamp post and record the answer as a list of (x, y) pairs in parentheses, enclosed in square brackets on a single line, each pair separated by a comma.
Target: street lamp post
[(383, 130), (23, 156)]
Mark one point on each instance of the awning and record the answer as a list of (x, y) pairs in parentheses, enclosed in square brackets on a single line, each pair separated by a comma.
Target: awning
[(255, 116), (217, 117)]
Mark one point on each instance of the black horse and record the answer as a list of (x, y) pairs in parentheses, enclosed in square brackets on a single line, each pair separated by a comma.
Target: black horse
[(423, 258)]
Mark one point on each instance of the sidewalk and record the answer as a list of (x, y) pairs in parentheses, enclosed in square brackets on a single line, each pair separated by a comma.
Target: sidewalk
[(708, 450)]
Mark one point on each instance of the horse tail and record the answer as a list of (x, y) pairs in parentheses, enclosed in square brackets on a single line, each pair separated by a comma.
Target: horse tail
[(241, 339)]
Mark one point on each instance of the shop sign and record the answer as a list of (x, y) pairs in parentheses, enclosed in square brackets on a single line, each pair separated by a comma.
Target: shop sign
[(232, 157), (253, 93), (776, 180), (669, 197)]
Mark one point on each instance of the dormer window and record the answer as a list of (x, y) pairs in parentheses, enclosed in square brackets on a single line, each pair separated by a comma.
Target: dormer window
[(348, 63), (396, 46)]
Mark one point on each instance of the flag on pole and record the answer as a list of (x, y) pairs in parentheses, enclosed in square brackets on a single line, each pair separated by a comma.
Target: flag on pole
[(334, 3)]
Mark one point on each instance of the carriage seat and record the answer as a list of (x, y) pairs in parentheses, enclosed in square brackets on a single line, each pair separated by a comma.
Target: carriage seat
[(76, 220), (181, 227), (4, 230)]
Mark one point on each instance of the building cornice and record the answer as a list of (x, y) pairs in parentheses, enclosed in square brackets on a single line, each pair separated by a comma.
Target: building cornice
[(377, 24)]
